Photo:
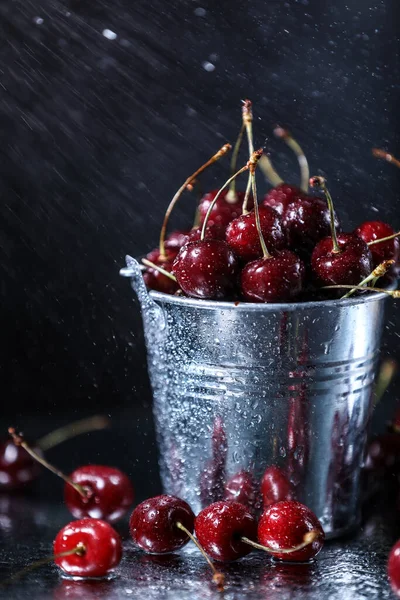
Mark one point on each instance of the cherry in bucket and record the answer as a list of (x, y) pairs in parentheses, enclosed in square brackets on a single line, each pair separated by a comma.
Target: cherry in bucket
[(164, 524), (340, 259), (94, 491)]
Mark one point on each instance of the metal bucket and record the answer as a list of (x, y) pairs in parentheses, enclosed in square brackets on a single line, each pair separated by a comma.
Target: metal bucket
[(242, 386)]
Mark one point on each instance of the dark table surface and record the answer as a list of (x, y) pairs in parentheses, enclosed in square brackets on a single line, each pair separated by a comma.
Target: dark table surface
[(351, 568)]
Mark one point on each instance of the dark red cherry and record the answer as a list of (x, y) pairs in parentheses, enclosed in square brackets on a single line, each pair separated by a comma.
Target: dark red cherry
[(17, 468), (306, 221), (275, 279), (213, 232), (242, 235), (98, 548), (176, 240), (393, 568), (109, 493), (285, 525), (153, 524), (220, 527), (375, 230), (275, 486), (223, 211), (242, 487), (349, 266), (383, 453), (281, 196), (206, 269), (157, 281)]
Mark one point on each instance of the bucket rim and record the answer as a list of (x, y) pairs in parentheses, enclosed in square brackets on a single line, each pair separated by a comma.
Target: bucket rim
[(241, 306)]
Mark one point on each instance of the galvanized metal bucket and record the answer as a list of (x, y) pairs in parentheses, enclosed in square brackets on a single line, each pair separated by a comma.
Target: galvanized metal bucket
[(242, 386)]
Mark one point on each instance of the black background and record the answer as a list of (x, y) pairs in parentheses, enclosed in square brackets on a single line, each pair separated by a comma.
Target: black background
[(97, 134)]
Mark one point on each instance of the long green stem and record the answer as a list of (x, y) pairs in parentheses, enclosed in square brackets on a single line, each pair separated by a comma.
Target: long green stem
[(247, 116), (231, 195), (385, 239), (308, 539), (269, 172), (321, 183), (152, 265), (265, 252), (301, 157), (378, 272), (393, 293), (246, 196), (95, 423), (19, 441), (225, 148)]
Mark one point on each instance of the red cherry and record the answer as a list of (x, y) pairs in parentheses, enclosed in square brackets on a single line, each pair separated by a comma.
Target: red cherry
[(306, 221), (98, 548), (206, 269), (375, 230), (175, 241), (349, 266), (223, 211), (278, 278), (242, 487), (213, 232), (157, 281), (17, 468), (153, 524), (275, 486), (220, 527), (281, 196), (286, 525), (393, 568), (108, 493), (242, 235)]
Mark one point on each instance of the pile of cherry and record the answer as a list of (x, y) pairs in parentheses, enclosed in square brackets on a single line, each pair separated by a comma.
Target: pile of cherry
[(288, 248), (250, 516)]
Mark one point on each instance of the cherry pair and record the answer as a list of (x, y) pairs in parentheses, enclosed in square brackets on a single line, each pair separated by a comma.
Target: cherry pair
[(95, 491)]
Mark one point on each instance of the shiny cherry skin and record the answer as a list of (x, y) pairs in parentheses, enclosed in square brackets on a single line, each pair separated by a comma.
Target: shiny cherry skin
[(220, 527), (281, 196), (393, 568), (153, 524), (109, 493), (176, 240), (17, 467), (349, 266), (284, 525), (223, 212), (101, 548), (155, 280), (243, 238), (374, 230), (275, 486), (276, 279), (242, 487), (206, 269), (307, 221)]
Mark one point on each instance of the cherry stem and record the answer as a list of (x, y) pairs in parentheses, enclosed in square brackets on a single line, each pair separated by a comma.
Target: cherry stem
[(286, 136), (152, 265), (95, 423), (265, 252), (246, 196), (231, 195), (247, 116), (218, 577), (308, 539), (385, 239), (386, 373), (79, 550), (19, 441), (378, 153), (378, 272), (225, 148), (320, 182), (393, 293), (269, 171)]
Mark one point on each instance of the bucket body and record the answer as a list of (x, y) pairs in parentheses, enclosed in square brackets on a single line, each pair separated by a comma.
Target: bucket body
[(244, 387)]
